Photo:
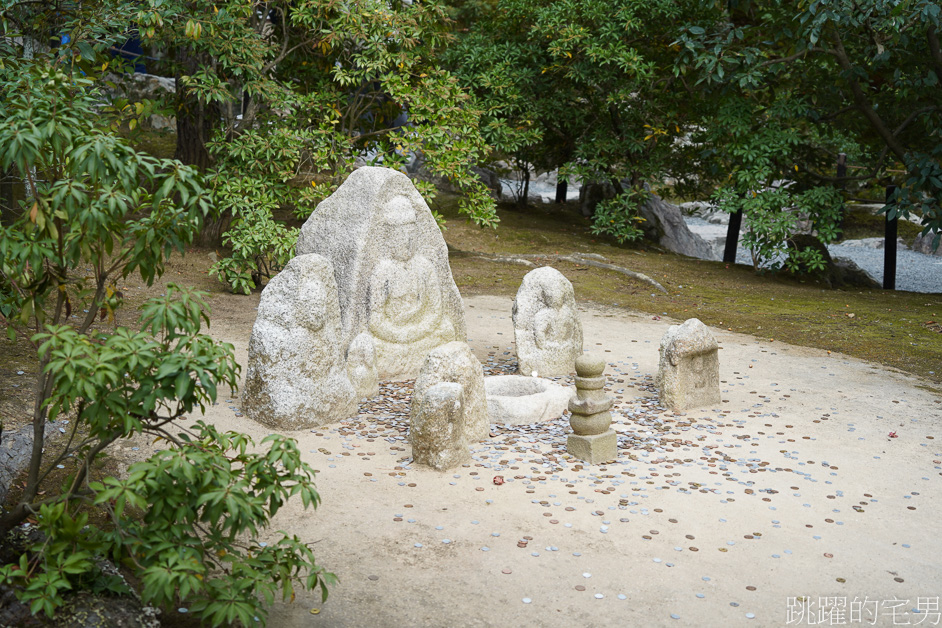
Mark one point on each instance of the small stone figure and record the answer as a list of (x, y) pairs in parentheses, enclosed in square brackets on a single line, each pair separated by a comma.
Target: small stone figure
[(688, 373), (361, 366), (593, 440), (455, 362), (296, 376), (437, 433), (547, 330)]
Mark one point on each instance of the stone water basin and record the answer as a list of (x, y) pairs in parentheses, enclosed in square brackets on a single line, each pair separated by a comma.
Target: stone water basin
[(521, 400)]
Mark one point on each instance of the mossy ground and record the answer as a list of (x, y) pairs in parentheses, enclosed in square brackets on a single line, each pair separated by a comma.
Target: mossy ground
[(897, 329)]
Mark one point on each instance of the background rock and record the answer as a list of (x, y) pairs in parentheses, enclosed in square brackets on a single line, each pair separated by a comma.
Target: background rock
[(664, 223)]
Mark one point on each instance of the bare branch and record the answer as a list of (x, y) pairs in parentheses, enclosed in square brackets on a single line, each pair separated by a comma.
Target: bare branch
[(787, 59), (912, 117), (863, 104), (933, 37)]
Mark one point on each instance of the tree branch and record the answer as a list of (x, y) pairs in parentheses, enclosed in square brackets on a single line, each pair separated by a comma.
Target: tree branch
[(837, 113), (912, 117), (860, 100), (787, 59), (933, 38), (821, 177)]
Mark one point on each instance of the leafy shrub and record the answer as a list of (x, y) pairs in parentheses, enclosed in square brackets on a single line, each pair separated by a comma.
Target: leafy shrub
[(771, 216), (618, 217), (259, 245), (98, 212)]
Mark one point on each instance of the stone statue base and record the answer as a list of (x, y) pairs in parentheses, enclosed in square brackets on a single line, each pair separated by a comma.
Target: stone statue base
[(595, 449)]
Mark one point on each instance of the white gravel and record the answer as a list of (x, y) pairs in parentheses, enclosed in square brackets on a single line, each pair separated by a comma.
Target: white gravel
[(915, 272)]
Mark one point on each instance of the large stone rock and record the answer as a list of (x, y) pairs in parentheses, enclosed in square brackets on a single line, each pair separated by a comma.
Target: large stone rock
[(664, 223), (455, 363), (391, 266), (843, 271), (838, 271), (591, 193), (296, 376), (688, 373), (547, 329), (927, 244), (522, 400), (438, 435)]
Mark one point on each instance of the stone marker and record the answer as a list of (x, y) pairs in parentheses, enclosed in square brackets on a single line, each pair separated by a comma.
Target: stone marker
[(547, 329), (391, 266), (437, 432), (455, 363), (296, 376), (593, 441), (688, 372)]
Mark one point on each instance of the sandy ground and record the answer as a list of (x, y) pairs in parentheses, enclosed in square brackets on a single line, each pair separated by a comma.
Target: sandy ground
[(788, 505)]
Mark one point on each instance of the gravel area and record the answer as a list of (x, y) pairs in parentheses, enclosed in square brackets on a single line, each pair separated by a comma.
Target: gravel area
[(915, 272)]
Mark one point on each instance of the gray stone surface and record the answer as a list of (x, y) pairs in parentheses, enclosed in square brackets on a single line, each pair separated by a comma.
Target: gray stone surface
[(843, 271), (361, 366), (391, 267), (16, 449), (688, 373), (664, 223), (137, 87), (593, 441), (438, 431), (454, 362), (594, 448), (296, 376), (521, 400), (547, 329), (924, 244)]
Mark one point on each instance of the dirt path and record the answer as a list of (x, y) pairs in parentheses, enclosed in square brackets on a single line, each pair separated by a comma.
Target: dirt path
[(720, 518)]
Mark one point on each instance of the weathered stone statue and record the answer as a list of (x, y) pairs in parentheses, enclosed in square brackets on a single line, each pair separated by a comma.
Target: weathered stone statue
[(448, 407), (593, 440), (361, 366), (688, 373), (296, 376), (455, 362), (547, 329), (438, 436), (391, 266)]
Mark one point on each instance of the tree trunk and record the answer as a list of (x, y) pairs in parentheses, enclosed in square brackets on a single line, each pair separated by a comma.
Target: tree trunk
[(195, 120), (11, 191), (195, 124)]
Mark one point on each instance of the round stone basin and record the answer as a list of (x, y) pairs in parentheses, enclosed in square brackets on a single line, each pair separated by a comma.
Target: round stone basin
[(521, 400)]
